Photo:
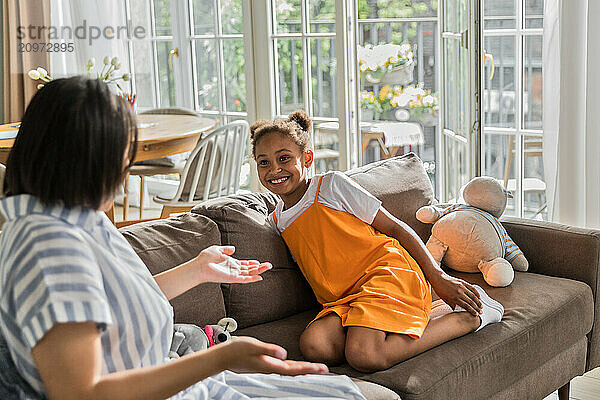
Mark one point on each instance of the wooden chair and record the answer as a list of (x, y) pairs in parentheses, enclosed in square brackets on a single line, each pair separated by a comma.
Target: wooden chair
[(532, 147), (160, 166), (212, 169)]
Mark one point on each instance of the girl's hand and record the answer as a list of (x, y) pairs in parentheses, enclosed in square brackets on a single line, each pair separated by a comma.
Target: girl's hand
[(215, 265), (246, 354), (456, 292)]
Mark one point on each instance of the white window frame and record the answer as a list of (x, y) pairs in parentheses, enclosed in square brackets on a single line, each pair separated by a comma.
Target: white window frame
[(519, 33)]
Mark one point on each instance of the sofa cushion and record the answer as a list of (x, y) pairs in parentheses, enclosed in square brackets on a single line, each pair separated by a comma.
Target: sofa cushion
[(242, 221), (402, 185), (543, 316), (166, 243)]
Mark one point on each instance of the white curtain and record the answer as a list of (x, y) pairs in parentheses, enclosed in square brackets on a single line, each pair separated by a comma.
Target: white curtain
[(100, 14), (571, 122)]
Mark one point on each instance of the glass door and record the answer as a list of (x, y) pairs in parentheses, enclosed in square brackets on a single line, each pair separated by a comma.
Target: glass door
[(460, 44), (159, 60)]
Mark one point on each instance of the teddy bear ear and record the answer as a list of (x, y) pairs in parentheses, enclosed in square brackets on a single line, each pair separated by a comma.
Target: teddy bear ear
[(228, 324)]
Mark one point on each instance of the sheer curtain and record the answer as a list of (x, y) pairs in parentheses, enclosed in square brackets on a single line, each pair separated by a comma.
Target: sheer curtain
[(100, 14), (571, 58)]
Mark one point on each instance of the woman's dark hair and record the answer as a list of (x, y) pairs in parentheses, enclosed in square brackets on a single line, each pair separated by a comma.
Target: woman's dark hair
[(71, 144), (296, 127)]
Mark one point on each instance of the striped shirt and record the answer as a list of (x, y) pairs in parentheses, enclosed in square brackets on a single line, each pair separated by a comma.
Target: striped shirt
[(72, 265)]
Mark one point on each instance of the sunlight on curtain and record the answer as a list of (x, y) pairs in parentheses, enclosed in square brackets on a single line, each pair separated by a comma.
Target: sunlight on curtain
[(571, 108)]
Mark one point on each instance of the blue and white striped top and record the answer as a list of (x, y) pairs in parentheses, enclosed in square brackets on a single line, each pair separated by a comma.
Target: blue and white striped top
[(72, 265)]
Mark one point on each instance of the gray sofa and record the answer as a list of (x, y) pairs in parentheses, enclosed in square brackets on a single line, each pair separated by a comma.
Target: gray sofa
[(548, 334)]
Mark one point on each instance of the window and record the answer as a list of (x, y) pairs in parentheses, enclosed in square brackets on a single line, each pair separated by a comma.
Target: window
[(512, 102), (231, 59), (193, 58)]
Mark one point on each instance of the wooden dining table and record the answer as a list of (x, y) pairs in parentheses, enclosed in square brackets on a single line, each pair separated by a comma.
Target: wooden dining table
[(159, 135)]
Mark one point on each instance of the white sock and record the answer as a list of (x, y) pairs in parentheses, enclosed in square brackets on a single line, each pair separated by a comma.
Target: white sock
[(491, 310)]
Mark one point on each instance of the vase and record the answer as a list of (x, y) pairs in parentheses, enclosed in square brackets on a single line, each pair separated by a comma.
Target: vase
[(402, 75), (366, 115)]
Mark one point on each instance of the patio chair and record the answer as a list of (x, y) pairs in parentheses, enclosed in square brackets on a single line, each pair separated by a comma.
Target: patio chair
[(212, 169), (532, 147)]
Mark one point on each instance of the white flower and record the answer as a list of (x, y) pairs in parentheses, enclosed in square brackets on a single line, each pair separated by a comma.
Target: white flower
[(284, 7), (117, 66), (402, 99), (428, 100), (125, 77), (42, 71), (91, 63), (114, 61), (106, 60), (34, 74)]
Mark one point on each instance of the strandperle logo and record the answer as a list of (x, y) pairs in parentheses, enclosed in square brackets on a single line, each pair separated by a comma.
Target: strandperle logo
[(82, 32)]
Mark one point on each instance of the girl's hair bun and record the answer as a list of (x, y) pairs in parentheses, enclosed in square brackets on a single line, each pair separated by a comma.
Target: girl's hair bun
[(302, 119), (255, 126)]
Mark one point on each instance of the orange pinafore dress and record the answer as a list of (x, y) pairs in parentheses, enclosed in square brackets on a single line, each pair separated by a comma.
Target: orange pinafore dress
[(365, 277)]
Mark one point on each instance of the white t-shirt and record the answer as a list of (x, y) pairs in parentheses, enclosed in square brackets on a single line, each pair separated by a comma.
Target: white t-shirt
[(337, 191)]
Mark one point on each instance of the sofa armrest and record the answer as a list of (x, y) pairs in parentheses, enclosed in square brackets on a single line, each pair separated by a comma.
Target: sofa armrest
[(566, 252)]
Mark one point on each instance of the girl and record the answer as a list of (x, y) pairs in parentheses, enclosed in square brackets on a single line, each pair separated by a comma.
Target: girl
[(359, 261), (81, 314)]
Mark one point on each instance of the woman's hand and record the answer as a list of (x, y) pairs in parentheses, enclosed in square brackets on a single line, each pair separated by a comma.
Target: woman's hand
[(214, 264), (456, 292), (246, 354)]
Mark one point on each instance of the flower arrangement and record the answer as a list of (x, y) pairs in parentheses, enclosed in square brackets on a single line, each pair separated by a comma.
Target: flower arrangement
[(414, 98), (375, 61), (108, 74)]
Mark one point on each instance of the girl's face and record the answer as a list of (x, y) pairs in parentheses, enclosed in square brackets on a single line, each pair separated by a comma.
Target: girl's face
[(283, 166)]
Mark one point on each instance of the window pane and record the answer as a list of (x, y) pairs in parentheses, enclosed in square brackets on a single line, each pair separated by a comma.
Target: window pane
[(204, 17), (290, 74), (166, 79), (534, 13), (144, 75), (235, 89), (499, 162), (322, 15), (500, 14), (231, 16), (140, 14), (499, 101), (532, 82), (207, 71), (456, 113), (287, 15), (396, 9), (534, 185), (162, 18), (455, 19), (324, 84)]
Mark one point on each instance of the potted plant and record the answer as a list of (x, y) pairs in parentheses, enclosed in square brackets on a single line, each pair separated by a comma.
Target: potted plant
[(388, 63), (420, 103)]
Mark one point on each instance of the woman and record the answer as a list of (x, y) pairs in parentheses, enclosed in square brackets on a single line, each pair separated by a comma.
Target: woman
[(82, 316)]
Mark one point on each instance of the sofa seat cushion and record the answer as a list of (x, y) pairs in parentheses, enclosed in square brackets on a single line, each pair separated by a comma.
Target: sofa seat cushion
[(166, 243), (543, 316), (242, 221)]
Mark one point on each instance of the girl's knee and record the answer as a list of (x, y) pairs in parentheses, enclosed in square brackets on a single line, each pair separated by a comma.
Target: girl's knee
[(363, 356), (317, 348)]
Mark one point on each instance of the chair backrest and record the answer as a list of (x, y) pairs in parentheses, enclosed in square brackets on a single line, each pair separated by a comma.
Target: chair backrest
[(213, 167), (170, 110)]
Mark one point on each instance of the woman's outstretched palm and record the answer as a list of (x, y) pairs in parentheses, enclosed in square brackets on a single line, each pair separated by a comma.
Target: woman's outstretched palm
[(219, 266)]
